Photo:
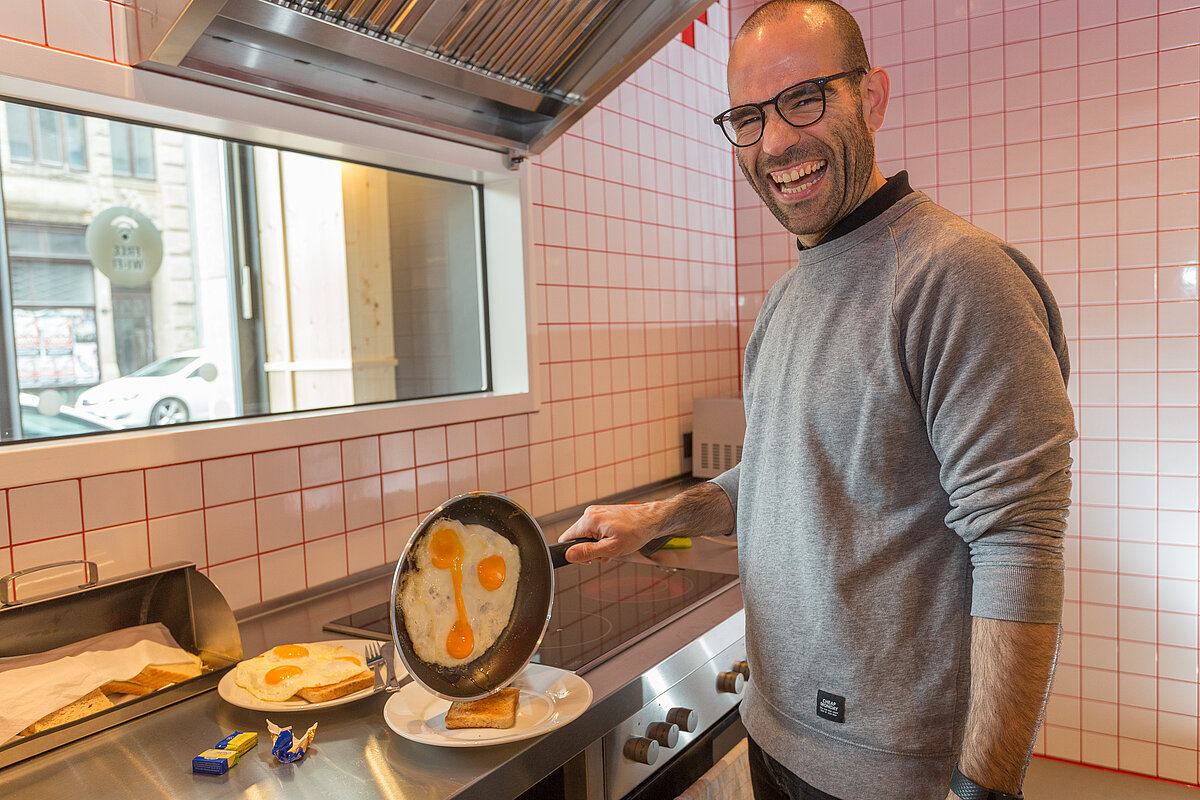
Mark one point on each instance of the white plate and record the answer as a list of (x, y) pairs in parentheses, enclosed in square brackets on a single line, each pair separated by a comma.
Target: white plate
[(550, 697), (232, 693)]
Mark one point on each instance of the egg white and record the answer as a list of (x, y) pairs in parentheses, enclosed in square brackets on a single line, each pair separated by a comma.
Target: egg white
[(427, 601), (322, 666)]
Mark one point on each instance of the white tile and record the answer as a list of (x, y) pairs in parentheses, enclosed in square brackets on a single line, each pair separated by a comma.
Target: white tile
[(1098, 748), (1137, 756), (49, 551), (4, 540), (399, 494), (360, 457), (174, 489), (430, 444), (227, 480), (433, 487), (1177, 764), (118, 550), (365, 548), (79, 27), (232, 531), (463, 477), (396, 451), (178, 537), (276, 471), (279, 521), (460, 440), (325, 560), (113, 499), (1178, 630), (323, 511), (44, 510), (238, 581), (282, 572), (320, 464), (364, 504), (23, 19)]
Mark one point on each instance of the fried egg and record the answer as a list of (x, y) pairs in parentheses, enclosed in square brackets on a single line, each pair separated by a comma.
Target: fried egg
[(279, 673), (458, 599)]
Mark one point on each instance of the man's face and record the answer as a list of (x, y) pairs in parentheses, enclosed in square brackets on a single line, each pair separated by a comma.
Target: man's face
[(834, 159)]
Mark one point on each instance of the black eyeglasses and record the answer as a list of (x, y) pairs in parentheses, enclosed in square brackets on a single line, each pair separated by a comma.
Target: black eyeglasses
[(799, 106)]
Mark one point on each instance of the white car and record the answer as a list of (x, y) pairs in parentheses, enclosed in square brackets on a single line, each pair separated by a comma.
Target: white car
[(165, 392)]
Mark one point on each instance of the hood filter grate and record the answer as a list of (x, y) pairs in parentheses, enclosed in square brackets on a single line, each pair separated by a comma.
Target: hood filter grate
[(531, 43)]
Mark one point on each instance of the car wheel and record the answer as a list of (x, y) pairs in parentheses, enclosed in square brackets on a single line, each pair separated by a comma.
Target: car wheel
[(169, 411)]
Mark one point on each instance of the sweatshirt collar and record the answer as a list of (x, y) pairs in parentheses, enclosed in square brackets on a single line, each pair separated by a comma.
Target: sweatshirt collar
[(895, 188)]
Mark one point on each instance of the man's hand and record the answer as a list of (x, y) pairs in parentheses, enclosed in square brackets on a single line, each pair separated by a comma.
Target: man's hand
[(703, 510)]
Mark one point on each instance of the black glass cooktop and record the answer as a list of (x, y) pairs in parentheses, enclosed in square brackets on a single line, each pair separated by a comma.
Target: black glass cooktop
[(599, 609)]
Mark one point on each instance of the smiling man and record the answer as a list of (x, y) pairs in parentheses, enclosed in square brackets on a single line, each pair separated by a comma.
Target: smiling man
[(905, 479)]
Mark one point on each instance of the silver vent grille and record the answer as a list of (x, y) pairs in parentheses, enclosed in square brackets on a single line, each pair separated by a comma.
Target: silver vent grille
[(506, 74), (529, 42)]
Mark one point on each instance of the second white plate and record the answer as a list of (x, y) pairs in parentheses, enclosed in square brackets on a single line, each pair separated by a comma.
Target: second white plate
[(232, 693), (550, 697)]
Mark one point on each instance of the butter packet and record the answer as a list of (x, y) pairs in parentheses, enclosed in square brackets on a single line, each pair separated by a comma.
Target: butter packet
[(286, 747), (240, 742), (214, 762)]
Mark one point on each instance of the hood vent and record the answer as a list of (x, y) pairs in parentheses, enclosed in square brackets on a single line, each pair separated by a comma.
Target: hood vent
[(510, 75)]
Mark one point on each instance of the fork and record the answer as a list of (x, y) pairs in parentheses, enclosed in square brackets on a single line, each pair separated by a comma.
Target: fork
[(374, 658)]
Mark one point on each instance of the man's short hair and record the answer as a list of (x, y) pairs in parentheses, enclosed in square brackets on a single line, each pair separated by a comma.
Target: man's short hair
[(854, 49)]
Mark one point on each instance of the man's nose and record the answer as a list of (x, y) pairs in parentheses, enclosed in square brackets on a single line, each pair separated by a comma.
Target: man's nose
[(777, 134)]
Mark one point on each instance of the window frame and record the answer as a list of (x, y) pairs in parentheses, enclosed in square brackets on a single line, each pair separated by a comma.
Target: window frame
[(50, 78)]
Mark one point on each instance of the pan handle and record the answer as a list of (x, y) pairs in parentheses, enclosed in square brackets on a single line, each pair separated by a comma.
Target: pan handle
[(558, 550)]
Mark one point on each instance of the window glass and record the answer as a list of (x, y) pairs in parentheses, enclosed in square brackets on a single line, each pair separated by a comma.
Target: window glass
[(245, 280), (76, 144), (20, 135), (49, 137), (122, 159)]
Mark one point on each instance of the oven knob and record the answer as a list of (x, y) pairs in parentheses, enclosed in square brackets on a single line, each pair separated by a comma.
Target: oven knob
[(742, 667), (641, 750), (665, 733), (685, 718), (731, 682)]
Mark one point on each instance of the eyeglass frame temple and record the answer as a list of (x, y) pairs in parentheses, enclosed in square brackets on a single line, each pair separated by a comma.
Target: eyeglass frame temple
[(774, 101)]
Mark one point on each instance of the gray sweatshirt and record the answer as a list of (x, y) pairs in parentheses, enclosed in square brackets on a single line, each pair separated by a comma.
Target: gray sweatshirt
[(906, 466)]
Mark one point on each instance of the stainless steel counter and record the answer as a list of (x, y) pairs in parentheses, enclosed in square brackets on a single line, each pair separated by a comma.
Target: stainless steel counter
[(355, 754)]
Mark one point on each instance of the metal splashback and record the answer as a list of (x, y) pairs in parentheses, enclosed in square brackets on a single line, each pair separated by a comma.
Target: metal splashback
[(510, 75)]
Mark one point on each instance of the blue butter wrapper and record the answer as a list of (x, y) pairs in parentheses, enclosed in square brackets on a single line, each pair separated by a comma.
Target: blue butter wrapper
[(288, 748), (240, 742), (214, 762)]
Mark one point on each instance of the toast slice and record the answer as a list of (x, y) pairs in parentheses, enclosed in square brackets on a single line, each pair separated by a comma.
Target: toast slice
[(155, 677), (332, 691), (494, 711), (85, 706)]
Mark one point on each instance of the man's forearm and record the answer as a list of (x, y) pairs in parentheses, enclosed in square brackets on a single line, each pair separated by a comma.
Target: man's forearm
[(1011, 667), (702, 510)]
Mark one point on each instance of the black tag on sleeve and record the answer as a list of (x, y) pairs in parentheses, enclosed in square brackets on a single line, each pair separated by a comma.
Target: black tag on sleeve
[(831, 706)]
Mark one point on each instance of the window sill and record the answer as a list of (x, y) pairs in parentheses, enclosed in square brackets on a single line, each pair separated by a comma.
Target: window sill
[(43, 461)]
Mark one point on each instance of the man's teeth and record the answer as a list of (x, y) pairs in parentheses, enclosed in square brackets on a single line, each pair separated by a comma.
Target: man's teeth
[(796, 174)]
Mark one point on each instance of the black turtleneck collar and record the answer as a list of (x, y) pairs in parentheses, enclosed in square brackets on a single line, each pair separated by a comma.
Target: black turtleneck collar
[(887, 195)]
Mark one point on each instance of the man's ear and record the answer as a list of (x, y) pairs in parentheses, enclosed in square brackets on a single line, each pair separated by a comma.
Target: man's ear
[(876, 89)]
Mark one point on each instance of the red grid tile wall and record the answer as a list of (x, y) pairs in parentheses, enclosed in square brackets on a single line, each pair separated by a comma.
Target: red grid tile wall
[(631, 215), (1070, 128)]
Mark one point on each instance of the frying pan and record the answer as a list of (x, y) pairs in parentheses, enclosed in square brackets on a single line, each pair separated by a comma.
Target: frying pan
[(520, 639)]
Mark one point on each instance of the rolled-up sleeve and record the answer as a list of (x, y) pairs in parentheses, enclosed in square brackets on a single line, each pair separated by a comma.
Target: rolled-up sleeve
[(986, 360)]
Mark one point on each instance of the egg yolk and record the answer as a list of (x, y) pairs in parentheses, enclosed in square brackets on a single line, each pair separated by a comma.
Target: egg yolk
[(446, 552), (281, 673), (290, 651), (491, 572)]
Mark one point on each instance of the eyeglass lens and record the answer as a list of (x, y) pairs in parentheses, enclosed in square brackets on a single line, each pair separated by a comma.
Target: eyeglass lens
[(799, 105)]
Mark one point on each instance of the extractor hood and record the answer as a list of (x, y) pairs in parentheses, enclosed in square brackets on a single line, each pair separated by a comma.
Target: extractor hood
[(510, 75)]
